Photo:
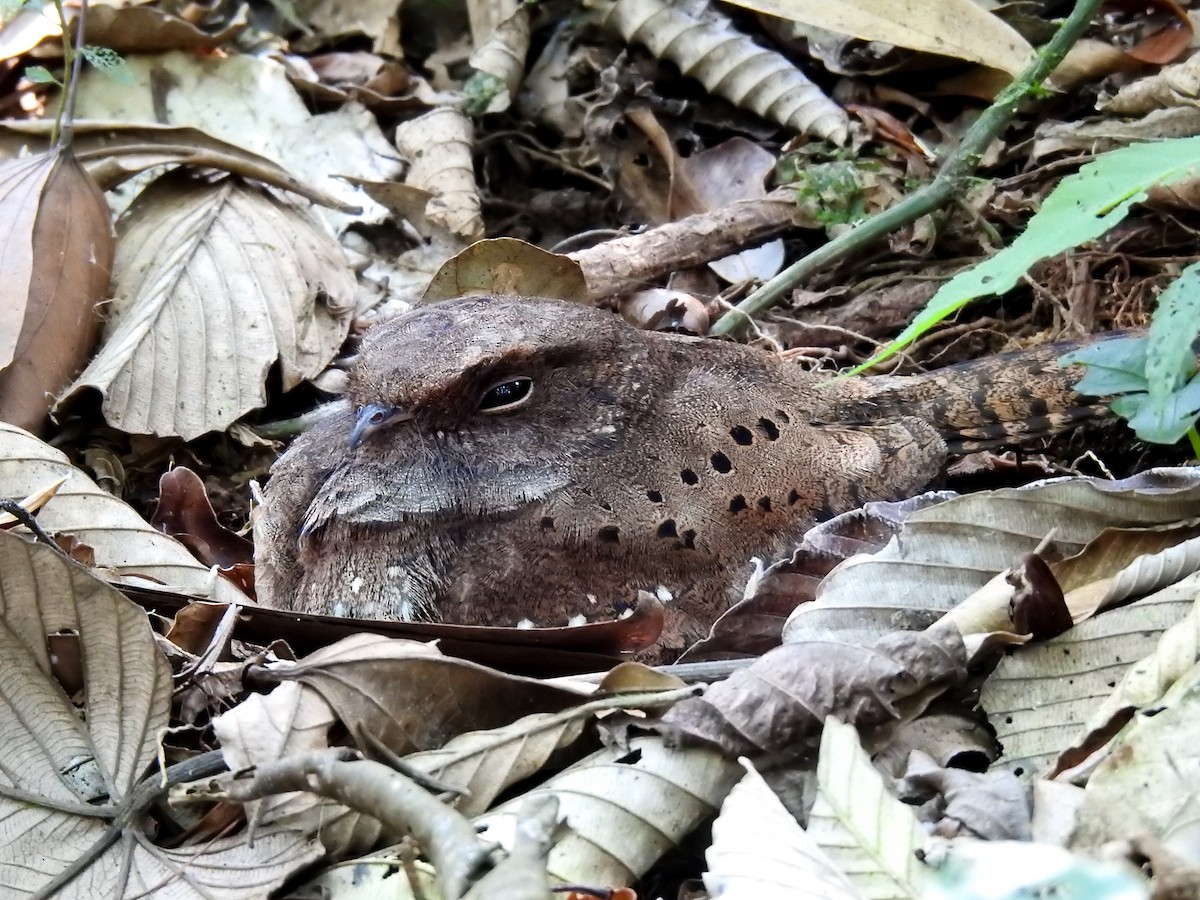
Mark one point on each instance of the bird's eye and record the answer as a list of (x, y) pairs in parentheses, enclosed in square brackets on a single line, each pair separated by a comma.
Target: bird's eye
[(506, 395)]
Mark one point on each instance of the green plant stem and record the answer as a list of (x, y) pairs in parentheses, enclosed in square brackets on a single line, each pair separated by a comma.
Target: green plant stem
[(72, 63), (1194, 438), (948, 182)]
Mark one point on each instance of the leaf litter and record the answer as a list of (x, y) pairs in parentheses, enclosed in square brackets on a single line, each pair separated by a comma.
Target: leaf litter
[(503, 163)]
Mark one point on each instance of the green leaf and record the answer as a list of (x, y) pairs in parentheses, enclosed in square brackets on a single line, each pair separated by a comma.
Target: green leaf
[(1170, 359), (1083, 207), (1116, 366), (1165, 421), (108, 61), (41, 75)]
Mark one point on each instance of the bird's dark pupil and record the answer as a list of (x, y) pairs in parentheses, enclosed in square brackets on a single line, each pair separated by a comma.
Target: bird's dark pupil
[(376, 417), (508, 392)]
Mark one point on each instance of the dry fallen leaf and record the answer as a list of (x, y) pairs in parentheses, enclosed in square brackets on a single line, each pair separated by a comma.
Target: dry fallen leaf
[(123, 541), (72, 767), (55, 260), (213, 283)]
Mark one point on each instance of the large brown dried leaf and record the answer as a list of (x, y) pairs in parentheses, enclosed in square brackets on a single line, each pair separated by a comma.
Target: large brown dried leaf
[(411, 697), (54, 264), (783, 698), (69, 771), (214, 283), (123, 541)]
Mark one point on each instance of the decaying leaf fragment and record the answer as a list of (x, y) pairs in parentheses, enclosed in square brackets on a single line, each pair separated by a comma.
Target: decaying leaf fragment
[(783, 698), (55, 259), (214, 282), (708, 48)]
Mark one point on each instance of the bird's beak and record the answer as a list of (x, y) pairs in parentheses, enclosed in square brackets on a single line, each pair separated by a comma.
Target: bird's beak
[(372, 418)]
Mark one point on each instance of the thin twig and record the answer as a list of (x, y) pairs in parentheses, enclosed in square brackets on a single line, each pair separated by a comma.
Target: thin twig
[(945, 186)]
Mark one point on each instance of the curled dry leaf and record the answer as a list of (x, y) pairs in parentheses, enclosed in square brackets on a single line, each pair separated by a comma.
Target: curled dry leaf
[(508, 266), (123, 541), (780, 701), (948, 551), (868, 833), (146, 29), (707, 47), (113, 152), (1147, 786), (411, 697), (72, 767), (1142, 685), (406, 696), (437, 147), (759, 850), (54, 263), (481, 764), (185, 512), (626, 808), (501, 57), (1042, 696), (958, 28), (1177, 85), (214, 283)]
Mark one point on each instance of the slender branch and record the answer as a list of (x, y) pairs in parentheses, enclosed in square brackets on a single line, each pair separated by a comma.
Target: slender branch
[(72, 65), (948, 183)]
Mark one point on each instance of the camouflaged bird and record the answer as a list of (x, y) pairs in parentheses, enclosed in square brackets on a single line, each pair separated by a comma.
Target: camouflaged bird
[(510, 459)]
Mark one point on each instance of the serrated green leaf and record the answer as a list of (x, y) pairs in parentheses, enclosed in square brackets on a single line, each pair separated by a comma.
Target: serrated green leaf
[(1082, 207), (108, 61)]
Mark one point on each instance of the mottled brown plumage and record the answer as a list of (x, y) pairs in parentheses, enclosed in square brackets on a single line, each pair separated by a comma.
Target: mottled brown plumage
[(637, 460)]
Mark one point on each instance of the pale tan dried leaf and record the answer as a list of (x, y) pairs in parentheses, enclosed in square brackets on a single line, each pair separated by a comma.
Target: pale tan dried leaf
[(502, 55), (55, 290), (1041, 695), (29, 27), (1144, 682), (1118, 564), (1120, 576), (484, 763), (437, 147), (213, 284), (1175, 85), (946, 552), (1148, 786), (868, 833), (21, 184), (508, 266), (113, 152), (248, 101), (626, 808), (330, 20), (290, 721), (146, 29), (760, 852), (707, 47), (124, 542), (959, 28), (69, 772), (660, 309), (1098, 135)]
